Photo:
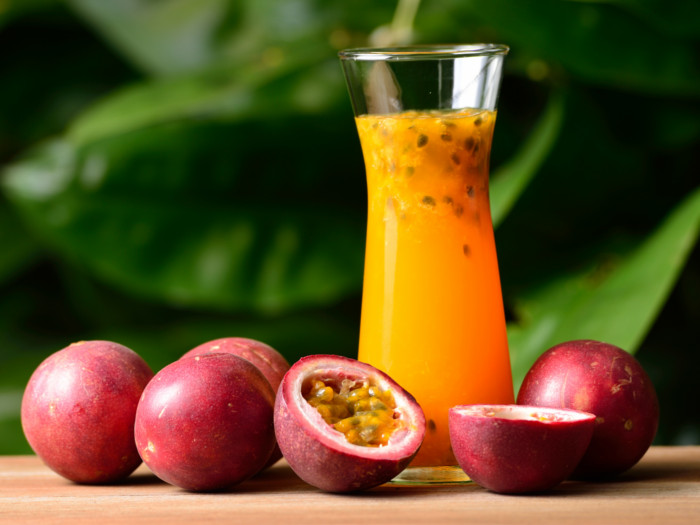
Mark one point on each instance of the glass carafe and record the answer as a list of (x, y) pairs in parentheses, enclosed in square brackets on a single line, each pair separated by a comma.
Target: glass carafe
[(432, 308)]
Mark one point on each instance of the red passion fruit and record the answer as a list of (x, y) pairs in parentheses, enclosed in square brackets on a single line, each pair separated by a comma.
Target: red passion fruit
[(514, 449), (603, 379), (269, 361), (345, 426), (78, 410), (205, 423)]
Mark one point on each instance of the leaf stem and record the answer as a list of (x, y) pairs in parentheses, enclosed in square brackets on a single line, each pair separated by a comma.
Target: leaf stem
[(400, 30)]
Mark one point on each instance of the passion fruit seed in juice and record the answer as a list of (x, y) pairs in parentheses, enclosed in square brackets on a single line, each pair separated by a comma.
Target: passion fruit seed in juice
[(432, 311), (362, 412)]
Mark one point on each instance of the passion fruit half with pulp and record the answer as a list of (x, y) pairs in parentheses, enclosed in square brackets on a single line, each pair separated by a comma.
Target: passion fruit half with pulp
[(343, 425), (516, 449)]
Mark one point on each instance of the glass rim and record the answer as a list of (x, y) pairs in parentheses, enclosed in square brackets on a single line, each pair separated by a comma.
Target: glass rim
[(423, 52)]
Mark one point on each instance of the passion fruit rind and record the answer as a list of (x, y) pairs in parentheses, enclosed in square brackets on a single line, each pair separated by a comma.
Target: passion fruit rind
[(321, 455), (517, 449), (204, 423), (607, 381), (78, 410), (269, 361)]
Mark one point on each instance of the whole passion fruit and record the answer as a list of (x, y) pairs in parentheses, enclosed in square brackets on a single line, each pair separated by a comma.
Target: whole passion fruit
[(205, 423), (514, 449), (603, 379), (345, 426), (269, 361), (78, 410)]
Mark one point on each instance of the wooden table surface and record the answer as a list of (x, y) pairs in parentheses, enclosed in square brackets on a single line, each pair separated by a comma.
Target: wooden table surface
[(663, 488)]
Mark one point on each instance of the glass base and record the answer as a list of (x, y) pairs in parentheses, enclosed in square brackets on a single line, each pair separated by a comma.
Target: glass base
[(431, 476)]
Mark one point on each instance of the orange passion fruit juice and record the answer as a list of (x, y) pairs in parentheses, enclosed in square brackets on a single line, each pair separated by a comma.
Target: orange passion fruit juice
[(432, 310)]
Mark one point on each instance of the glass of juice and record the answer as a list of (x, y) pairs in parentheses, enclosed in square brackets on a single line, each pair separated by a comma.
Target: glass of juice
[(432, 309)]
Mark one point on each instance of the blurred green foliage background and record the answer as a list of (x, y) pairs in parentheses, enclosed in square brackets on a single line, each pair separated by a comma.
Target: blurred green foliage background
[(174, 171)]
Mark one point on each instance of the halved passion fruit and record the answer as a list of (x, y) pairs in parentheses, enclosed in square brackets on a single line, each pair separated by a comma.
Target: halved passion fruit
[(514, 448), (345, 426)]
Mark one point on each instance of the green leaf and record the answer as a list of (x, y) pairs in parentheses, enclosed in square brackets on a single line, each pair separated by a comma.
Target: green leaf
[(511, 179), (13, 441), (179, 189), (615, 302), (298, 81), (10, 10), (597, 42), (19, 248), (198, 215), (673, 18), (160, 37), (175, 36)]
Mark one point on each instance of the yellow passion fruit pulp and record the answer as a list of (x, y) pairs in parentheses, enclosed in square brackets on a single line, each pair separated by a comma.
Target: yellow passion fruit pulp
[(359, 410)]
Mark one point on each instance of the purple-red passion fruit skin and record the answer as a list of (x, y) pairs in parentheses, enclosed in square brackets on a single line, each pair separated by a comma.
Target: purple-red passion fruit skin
[(322, 456), (514, 449), (603, 379), (78, 411), (269, 361), (205, 423)]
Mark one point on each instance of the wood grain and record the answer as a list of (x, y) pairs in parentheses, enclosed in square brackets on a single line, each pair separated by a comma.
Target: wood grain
[(664, 488)]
